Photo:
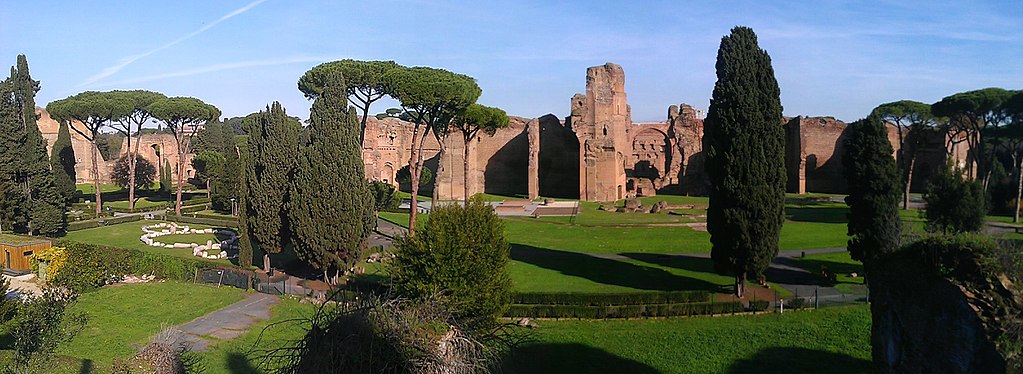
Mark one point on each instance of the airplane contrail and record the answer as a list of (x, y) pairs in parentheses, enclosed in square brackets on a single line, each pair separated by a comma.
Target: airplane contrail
[(131, 59)]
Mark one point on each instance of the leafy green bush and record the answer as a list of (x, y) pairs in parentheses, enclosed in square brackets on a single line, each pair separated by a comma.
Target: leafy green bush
[(624, 298), (462, 254), (955, 204), (100, 222), (91, 266), (194, 208), (385, 197)]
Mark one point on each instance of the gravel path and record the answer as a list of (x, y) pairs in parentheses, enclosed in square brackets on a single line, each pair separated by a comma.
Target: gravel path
[(226, 323)]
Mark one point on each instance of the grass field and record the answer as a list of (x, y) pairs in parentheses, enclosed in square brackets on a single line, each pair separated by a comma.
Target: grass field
[(835, 340), (244, 354), (122, 318), (841, 264)]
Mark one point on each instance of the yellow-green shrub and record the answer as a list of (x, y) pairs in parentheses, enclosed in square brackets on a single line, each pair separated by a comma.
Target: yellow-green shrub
[(55, 257)]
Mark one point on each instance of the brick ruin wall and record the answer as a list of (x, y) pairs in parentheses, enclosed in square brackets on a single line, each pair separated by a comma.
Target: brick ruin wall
[(595, 154), (83, 161), (598, 154)]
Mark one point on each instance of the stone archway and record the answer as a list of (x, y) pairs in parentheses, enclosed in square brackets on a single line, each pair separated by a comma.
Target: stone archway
[(651, 155)]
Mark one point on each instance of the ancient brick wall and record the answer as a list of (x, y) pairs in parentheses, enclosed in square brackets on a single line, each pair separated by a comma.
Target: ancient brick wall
[(813, 150), (498, 164), (387, 147), (157, 148), (559, 159), (600, 120), (83, 161)]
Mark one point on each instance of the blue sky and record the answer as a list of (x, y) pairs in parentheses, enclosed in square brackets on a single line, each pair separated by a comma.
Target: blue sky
[(837, 58)]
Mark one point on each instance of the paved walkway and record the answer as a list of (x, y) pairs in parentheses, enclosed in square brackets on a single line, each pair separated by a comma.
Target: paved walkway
[(226, 323)]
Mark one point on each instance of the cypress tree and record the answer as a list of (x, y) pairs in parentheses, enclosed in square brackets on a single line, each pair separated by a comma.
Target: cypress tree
[(272, 150), (745, 144), (329, 209), (874, 190), (62, 163), (12, 212), (46, 204), (244, 242)]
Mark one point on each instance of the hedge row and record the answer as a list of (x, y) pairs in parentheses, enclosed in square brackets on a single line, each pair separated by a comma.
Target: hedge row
[(600, 299), (194, 208), (100, 222), (625, 311), (217, 222), (90, 266)]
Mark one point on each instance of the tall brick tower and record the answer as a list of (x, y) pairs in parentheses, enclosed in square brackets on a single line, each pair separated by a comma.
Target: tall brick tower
[(600, 120)]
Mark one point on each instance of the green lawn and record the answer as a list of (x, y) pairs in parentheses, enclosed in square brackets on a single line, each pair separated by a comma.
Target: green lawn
[(841, 264), (243, 355), (88, 189), (142, 203), (123, 318), (126, 235), (834, 340)]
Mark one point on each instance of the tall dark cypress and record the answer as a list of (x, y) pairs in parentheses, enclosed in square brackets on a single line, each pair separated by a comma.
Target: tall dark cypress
[(874, 190), (271, 153), (62, 163), (744, 144), (12, 214), (330, 199), (45, 203)]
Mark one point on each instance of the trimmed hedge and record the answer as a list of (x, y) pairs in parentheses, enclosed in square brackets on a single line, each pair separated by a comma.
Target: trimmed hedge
[(218, 222), (194, 208), (623, 311), (100, 222), (600, 299), (90, 266)]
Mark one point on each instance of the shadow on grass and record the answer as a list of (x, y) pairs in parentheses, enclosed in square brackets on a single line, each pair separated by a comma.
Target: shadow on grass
[(817, 214), (570, 358), (609, 271), (238, 363), (799, 360)]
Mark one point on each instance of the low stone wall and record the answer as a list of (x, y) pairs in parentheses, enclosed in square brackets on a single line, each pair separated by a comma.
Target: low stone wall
[(152, 232)]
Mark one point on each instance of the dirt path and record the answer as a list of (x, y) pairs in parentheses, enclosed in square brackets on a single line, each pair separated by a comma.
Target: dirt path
[(226, 323)]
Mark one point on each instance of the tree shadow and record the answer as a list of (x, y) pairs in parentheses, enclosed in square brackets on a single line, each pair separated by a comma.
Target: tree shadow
[(238, 363), (817, 214), (86, 367), (570, 358), (799, 360), (699, 264), (607, 271)]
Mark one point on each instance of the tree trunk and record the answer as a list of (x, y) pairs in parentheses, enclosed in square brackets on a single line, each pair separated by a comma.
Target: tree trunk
[(1019, 193), (93, 153), (413, 168), (740, 284), (134, 155), (440, 170), (131, 181), (180, 180), (909, 181), (465, 164)]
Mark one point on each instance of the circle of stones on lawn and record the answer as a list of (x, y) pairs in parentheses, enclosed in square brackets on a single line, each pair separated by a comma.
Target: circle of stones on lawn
[(152, 232)]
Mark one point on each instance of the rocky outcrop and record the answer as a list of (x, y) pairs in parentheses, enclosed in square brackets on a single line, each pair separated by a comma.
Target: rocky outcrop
[(943, 306)]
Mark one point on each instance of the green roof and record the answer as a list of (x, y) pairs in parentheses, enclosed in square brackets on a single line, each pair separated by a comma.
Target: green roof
[(17, 240)]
